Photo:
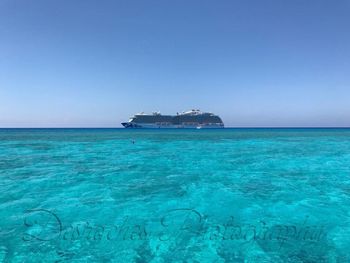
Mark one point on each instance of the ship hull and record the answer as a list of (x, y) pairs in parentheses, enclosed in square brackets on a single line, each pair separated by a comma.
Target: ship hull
[(171, 126)]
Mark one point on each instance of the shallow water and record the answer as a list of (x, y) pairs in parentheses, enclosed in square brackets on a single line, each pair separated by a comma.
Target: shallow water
[(119, 195)]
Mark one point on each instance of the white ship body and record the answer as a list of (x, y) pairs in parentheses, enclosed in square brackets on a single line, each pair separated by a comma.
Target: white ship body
[(194, 119)]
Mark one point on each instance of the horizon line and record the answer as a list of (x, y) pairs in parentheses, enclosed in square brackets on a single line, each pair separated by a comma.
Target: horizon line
[(241, 127)]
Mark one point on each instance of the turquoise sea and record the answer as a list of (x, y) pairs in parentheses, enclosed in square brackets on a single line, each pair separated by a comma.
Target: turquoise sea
[(120, 195)]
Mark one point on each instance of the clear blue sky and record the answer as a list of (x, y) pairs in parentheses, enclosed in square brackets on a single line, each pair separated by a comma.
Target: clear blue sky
[(68, 63)]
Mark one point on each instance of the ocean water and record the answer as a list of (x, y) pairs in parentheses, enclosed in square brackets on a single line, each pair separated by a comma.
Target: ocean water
[(120, 195)]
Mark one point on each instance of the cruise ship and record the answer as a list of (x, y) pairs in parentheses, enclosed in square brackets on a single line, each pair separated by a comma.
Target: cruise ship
[(195, 119)]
